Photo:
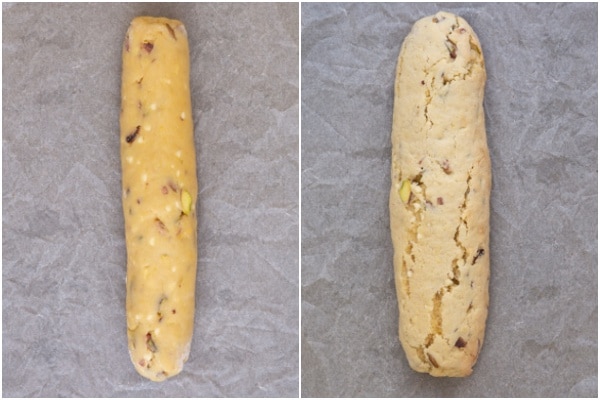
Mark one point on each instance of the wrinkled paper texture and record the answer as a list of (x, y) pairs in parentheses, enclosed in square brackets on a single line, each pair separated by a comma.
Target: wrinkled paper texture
[(64, 256), (541, 118)]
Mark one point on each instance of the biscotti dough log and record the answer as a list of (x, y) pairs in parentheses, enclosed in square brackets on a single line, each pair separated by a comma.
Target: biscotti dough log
[(159, 195), (440, 193)]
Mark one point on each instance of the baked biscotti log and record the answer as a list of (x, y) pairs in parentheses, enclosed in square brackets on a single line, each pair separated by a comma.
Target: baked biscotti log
[(440, 195), (159, 194)]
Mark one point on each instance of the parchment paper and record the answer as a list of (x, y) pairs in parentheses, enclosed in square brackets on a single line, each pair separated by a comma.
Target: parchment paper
[(64, 258), (541, 117)]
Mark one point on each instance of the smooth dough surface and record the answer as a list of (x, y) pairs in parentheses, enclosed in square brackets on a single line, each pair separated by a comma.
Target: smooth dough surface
[(440, 194), (159, 195)]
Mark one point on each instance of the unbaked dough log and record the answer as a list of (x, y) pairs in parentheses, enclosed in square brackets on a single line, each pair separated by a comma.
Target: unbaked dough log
[(159, 195), (440, 194)]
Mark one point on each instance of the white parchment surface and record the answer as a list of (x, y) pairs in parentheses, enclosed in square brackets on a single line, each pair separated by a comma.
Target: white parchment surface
[(63, 255), (541, 117)]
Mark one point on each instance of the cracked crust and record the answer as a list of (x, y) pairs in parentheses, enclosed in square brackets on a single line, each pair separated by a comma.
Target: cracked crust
[(440, 232)]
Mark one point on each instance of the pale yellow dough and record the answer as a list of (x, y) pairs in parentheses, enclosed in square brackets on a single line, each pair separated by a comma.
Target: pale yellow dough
[(160, 189), (440, 194)]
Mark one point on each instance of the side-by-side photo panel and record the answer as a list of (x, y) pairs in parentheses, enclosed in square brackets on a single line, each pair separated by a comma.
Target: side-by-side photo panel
[(449, 200), (150, 200)]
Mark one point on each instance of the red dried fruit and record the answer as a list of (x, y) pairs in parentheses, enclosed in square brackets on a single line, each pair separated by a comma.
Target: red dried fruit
[(150, 343), (460, 343), (451, 46), (162, 228), (440, 201), (131, 137), (446, 166), (148, 46)]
